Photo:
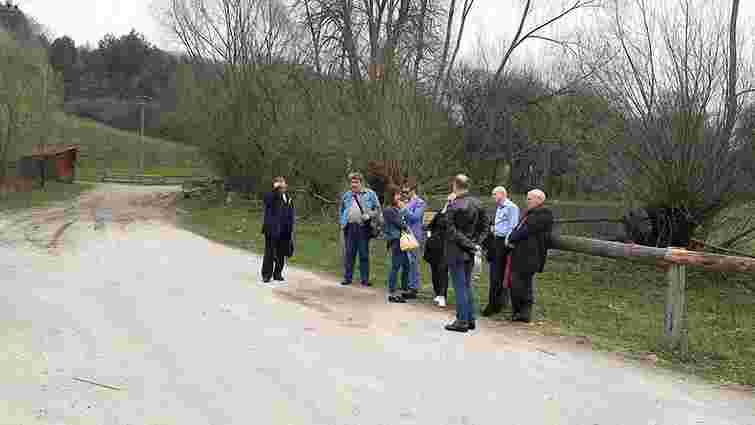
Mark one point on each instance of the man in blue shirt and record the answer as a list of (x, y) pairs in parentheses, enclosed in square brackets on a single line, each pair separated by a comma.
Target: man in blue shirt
[(505, 219)]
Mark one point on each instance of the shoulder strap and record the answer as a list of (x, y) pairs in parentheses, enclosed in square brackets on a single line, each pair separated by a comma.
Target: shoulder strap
[(359, 204)]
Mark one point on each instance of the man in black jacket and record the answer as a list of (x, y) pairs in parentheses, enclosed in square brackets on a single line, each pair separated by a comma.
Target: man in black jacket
[(278, 228), (467, 227), (530, 241)]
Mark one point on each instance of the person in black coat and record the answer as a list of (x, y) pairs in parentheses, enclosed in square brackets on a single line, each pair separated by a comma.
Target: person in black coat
[(278, 228), (435, 255), (467, 228), (529, 242)]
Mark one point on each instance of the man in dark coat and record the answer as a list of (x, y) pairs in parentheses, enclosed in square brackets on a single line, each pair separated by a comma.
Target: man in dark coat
[(467, 227), (435, 255), (529, 242), (278, 228)]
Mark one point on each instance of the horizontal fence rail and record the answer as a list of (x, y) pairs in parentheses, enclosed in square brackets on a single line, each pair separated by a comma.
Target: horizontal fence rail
[(674, 260), (653, 255)]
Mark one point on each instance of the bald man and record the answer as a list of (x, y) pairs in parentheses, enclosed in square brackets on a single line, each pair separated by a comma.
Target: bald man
[(529, 242)]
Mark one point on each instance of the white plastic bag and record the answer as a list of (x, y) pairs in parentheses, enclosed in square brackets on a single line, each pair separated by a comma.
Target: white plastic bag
[(477, 270)]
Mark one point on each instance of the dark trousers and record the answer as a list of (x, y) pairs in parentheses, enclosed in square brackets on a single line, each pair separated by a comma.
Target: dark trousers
[(522, 296), (461, 275), (357, 240), (439, 272), (498, 294), (275, 258)]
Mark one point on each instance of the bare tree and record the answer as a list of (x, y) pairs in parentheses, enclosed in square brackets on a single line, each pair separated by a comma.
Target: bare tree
[(678, 85), (445, 65), (731, 86), (504, 95), (234, 32), (535, 31), (380, 36)]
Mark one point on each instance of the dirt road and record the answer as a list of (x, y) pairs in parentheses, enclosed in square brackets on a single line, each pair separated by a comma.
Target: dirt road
[(177, 330)]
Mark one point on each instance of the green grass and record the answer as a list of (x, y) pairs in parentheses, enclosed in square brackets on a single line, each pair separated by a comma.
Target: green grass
[(618, 305), (118, 150), (53, 192)]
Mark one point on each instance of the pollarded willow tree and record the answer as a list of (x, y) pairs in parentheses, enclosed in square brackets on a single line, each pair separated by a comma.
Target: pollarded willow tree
[(679, 83)]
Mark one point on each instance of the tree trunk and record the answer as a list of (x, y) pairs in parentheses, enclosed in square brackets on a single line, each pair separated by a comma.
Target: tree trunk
[(349, 44), (444, 55), (420, 40), (731, 87), (464, 13)]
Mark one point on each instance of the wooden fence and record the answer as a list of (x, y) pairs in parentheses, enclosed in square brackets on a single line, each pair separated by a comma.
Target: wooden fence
[(674, 260), (144, 179)]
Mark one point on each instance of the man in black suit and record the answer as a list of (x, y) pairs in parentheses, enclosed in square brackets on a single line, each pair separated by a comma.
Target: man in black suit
[(529, 241), (278, 228)]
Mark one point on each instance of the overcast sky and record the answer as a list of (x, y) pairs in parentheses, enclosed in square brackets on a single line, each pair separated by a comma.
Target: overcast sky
[(89, 20)]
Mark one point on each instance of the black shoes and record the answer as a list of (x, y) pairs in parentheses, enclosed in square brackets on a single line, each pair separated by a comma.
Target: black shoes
[(279, 278), (344, 283), (458, 326), (410, 294), (266, 279), (396, 298), (366, 284)]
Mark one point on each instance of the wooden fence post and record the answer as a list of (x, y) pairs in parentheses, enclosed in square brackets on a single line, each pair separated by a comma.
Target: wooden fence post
[(674, 331)]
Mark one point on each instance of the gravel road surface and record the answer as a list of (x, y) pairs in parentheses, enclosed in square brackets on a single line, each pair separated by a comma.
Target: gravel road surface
[(110, 315)]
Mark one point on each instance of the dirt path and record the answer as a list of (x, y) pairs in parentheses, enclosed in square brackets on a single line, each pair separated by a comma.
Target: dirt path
[(178, 330)]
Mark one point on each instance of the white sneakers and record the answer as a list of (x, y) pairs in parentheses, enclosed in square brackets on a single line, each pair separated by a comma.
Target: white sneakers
[(440, 301)]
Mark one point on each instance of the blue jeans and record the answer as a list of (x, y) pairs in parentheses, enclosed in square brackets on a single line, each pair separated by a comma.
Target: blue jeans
[(357, 241), (399, 262), (461, 274), (414, 265)]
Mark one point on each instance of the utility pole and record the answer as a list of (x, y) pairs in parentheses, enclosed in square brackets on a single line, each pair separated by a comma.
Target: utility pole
[(142, 102)]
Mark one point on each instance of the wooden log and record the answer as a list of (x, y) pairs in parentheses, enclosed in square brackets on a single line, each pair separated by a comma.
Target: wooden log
[(664, 257), (651, 255), (607, 249), (674, 330)]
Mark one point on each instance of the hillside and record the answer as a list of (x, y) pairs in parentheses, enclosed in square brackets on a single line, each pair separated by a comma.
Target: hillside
[(104, 147)]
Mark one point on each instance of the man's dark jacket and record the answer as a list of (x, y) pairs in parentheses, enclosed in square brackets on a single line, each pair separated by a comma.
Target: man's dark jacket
[(467, 227), (279, 216), (531, 241), (435, 247)]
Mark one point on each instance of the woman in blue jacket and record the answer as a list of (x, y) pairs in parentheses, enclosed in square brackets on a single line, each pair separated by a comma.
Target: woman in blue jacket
[(395, 222)]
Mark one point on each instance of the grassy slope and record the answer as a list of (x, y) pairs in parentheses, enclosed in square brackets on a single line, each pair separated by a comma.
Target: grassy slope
[(617, 304), (121, 150)]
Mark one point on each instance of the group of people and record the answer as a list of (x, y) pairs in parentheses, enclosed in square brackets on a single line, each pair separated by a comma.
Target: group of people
[(515, 244)]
